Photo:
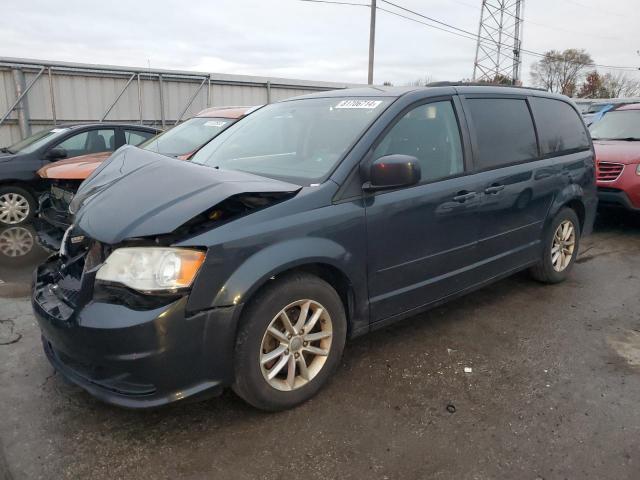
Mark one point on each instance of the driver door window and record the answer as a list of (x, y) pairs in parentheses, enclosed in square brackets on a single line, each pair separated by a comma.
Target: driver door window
[(430, 133)]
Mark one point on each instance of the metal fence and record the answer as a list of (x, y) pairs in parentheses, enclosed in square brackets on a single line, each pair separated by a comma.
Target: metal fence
[(36, 94)]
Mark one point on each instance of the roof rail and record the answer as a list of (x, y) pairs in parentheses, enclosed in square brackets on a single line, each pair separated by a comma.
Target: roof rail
[(479, 84)]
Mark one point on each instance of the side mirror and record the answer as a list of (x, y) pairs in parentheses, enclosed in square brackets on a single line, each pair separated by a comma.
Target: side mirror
[(56, 153), (393, 171)]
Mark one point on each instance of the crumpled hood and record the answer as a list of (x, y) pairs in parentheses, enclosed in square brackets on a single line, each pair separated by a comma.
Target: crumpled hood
[(137, 193), (617, 151)]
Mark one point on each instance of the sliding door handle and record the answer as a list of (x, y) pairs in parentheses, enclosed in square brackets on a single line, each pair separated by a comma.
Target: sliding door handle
[(464, 196), (494, 189)]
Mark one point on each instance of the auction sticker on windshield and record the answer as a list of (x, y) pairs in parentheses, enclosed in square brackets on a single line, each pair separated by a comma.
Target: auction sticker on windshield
[(215, 123), (370, 104)]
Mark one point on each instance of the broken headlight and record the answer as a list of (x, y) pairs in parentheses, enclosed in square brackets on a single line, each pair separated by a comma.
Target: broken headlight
[(152, 269)]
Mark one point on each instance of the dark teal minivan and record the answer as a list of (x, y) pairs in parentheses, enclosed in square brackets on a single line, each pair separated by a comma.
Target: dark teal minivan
[(309, 222)]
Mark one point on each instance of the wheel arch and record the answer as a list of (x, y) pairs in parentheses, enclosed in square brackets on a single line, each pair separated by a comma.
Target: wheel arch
[(571, 197), (578, 206), (11, 182), (328, 262)]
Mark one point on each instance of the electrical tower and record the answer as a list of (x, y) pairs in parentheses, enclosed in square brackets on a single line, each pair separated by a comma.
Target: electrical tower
[(499, 41)]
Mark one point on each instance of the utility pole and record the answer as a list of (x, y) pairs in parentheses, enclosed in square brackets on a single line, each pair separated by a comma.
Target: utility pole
[(372, 40)]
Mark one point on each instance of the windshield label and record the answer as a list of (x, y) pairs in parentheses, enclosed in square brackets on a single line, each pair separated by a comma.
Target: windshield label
[(215, 123), (369, 104), (58, 130)]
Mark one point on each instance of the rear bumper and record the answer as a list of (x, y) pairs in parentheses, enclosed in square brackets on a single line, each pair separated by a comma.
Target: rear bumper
[(137, 357)]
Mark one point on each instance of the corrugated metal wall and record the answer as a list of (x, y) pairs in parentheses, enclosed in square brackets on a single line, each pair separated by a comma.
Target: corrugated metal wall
[(83, 93)]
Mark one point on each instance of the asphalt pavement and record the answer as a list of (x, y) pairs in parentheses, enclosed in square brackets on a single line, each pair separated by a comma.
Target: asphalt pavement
[(516, 381)]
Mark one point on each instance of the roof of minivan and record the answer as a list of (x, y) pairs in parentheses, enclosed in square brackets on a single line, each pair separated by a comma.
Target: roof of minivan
[(439, 89)]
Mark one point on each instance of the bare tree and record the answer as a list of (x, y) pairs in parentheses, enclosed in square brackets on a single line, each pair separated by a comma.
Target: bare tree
[(619, 85), (609, 85), (561, 71)]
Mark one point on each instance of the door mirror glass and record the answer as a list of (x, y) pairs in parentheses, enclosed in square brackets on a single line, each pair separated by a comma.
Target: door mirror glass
[(393, 171), (56, 153)]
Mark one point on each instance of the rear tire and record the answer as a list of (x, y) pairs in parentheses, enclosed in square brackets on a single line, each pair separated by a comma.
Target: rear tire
[(17, 206), (294, 324), (561, 242)]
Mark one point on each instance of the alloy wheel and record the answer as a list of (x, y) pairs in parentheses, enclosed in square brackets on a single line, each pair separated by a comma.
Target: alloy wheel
[(564, 244), (296, 345), (14, 208)]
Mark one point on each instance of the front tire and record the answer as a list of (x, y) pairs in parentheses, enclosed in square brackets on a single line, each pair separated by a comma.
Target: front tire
[(560, 249), (17, 206), (289, 343)]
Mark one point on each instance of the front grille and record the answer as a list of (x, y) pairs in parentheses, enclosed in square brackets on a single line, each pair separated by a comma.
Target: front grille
[(609, 172), (64, 284)]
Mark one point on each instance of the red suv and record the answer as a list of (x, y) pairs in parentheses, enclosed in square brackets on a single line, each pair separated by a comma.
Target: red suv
[(616, 139)]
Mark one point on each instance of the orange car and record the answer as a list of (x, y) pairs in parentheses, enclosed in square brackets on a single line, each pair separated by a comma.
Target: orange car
[(65, 176)]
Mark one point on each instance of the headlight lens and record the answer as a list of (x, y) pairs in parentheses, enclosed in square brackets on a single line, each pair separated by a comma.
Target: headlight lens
[(152, 269)]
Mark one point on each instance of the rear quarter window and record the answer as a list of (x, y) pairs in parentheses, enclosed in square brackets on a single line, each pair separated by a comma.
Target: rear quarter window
[(560, 128), (504, 131)]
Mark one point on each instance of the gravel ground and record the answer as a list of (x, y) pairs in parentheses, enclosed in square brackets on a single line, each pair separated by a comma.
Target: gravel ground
[(552, 393)]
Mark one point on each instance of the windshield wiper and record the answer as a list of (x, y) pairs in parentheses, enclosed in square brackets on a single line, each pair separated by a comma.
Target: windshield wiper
[(6, 150), (629, 139)]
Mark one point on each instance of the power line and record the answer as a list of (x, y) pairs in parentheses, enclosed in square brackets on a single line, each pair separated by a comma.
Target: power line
[(429, 18), (547, 25), (452, 29), (426, 24), (475, 37)]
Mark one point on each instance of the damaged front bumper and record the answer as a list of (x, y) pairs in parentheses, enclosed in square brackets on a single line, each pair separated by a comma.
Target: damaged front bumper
[(129, 351), (51, 223)]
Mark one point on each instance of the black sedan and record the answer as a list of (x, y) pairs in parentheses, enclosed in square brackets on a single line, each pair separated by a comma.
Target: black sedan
[(19, 184)]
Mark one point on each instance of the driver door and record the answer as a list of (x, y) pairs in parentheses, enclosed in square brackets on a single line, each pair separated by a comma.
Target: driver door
[(422, 239)]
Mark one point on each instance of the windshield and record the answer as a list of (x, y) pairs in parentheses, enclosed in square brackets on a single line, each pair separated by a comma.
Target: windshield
[(299, 140), (35, 141), (188, 136), (617, 125)]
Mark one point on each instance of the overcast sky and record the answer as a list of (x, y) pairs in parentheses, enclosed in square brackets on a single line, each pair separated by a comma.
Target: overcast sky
[(296, 39)]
